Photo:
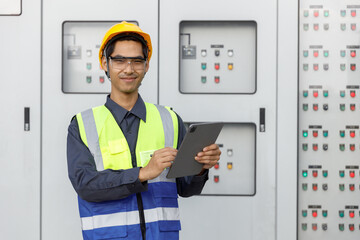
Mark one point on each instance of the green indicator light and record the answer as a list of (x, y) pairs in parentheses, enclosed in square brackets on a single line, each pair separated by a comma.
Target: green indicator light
[(305, 133), (88, 66), (326, 93), (304, 213), (306, 53), (342, 188), (304, 226), (342, 93), (326, 13), (341, 214), (306, 26), (343, 27), (324, 213), (342, 107), (305, 93), (305, 186), (203, 66), (342, 67), (306, 13), (325, 173), (342, 174), (342, 147), (305, 67), (342, 53), (343, 13), (305, 147), (305, 107), (304, 173), (326, 53), (88, 79), (203, 79), (342, 134), (325, 133), (341, 227)]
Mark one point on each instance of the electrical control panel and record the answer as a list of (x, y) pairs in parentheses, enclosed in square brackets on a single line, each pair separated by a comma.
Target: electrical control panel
[(10, 7), (235, 172), (81, 72), (329, 113), (217, 57)]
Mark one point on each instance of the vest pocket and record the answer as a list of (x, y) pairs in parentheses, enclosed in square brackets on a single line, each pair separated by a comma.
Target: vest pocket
[(117, 155)]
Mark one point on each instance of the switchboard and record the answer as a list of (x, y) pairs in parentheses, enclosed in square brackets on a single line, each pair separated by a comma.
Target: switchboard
[(329, 193)]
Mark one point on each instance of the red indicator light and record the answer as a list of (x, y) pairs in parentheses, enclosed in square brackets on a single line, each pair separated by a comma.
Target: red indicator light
[(353, 26), (352, 67), (217, 79), (315, 147), (316, 67), (314, 226), (315, 188), (216, 179), (316, 53), (315, 173), (352, 187), (353, 13), (217, 66), (352, 174), (216, 166), (352, 214), (102, 79), (352, 93), (353, 53), (315, 107), (314, 213), (315, 133), (352, 147), (315, 94), (351, 227), (352, 107), (316, 13), (352, 134)]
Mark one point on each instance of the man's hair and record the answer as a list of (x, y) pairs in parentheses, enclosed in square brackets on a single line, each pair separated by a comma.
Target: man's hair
[(109, 49)]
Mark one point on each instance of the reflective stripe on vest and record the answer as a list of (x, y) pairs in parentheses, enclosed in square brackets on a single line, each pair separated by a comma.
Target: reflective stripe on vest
[(129, 218)]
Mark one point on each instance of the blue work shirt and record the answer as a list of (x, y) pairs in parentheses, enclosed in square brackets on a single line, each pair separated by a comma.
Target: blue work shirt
[(94, 186)]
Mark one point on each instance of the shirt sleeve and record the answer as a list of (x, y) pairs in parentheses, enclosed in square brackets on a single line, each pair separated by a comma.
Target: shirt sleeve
[(97, 186), (190, 185)]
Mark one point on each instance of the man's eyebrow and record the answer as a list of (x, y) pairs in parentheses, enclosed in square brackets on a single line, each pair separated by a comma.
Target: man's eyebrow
[(120, 56)]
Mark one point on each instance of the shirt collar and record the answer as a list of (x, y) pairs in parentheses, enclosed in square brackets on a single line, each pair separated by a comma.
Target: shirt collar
[(139, 109)]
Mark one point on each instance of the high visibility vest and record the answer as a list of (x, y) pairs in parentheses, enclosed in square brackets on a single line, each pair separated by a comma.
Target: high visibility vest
[(120, 219)]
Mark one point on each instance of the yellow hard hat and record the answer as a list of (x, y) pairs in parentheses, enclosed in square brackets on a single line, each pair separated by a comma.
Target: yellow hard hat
[(124, 27)]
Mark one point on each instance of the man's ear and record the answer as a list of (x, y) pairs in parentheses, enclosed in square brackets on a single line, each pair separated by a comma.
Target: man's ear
[(104, 63)]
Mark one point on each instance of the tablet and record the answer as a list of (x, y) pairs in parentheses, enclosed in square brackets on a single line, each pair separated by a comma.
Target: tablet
[(198, 136)]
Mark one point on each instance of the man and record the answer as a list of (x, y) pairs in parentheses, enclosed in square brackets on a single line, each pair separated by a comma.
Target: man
[(117, 152)]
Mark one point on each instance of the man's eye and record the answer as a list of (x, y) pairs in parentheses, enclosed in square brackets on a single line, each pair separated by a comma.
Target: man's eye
[(138, 61), (120, 60)]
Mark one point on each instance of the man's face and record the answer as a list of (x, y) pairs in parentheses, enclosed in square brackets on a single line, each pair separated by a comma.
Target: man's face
[(127, 80)]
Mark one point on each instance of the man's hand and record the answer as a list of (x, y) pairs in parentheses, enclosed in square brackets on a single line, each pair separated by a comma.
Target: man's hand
[(209, 156), (160, 160)]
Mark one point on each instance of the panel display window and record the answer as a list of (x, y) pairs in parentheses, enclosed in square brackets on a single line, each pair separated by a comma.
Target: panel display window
[(10, 7)]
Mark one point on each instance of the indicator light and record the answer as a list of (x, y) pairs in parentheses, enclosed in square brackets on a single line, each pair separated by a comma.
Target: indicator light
[(353, 26), (326, 93), (216, 178), (230, 66), (342, 93), (352, 187), (341, 227), (325, 187), (352, 107), (352, 174), (342, 53), (324, 226), (314, 213), (325, 147), (88, 79), (305, 146), (326, 66), (352, 134), (325, 107), (216, 166), (325, 133), (203, 66), (230, 165), (305, 107), (305, 67), (343, 13), (230, 53), (342, 147), (304, 226), (326, 26), (353, 13), (304, 213), (203, 79), (353, 67), (353, 53), (88, 53), (342, 133), (306, 13), (315, 94), (342, 174), (342, 187), (316, 53), (305, 93), (304, 186), (341, 214), (316, 13), (315, 147), (217, 53), (351, 227), (305, 133), (352, 147), (326, 13), (343, 26), (203, 52), (88, 66), (314, 226), (351, 214), (217, 66), (315, 107), (325, 213), (217, 79), (316, 67), (315, 134), (306, 53), (315, 173), (342, 107), (230, 152), (342, 67), (101, 79), (325, 173), (316, 26), (326, 53), (306, 26), (304, 173), (352, 93), (315, 188)]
